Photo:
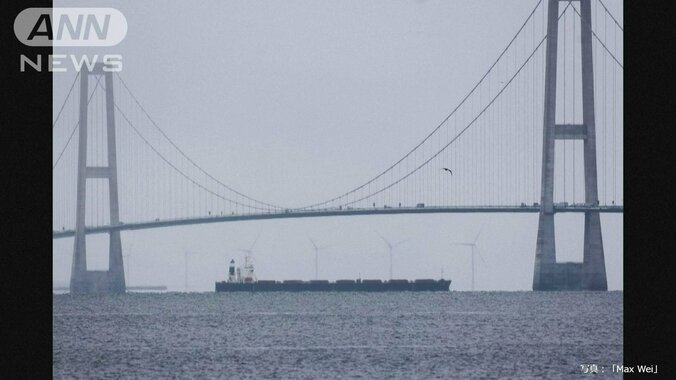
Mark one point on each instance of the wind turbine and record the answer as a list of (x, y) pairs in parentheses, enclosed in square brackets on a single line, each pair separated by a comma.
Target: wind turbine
[(473, 245), (317, 249), (390, 247)]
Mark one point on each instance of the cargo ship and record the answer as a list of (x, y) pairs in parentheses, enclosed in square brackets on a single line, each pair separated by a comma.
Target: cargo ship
[(243, 279)]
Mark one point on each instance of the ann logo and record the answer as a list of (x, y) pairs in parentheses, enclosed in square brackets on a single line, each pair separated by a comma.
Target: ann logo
[(43, 27), (70, 27)]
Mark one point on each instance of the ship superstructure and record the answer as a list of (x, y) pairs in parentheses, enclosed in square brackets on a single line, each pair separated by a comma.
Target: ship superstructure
[(242, 275)]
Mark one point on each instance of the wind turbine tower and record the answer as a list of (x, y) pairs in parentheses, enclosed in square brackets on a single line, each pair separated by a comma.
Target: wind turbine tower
[(317, 249), (391, 248), (474, 246)]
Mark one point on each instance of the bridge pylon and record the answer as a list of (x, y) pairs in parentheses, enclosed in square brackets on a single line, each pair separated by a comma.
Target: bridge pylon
[(84, 281), (591, 273)]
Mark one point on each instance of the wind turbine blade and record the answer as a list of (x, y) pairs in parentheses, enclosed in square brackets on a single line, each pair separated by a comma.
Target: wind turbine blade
[(313, 243), (477, 235), (480, 255), (254, 243), (400, 242), (385, 240), (463, 244)]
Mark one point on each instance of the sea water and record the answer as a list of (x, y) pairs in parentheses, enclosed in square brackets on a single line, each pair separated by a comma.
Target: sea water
[(320, 335)]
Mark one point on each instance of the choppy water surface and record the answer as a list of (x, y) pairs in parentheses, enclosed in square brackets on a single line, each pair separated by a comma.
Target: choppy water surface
[(337, 335)]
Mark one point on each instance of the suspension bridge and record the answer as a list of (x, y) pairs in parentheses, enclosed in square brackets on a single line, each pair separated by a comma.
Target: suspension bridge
[(539, 132)]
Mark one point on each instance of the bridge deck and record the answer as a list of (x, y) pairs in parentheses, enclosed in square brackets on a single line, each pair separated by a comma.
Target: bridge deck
[(333, 212)]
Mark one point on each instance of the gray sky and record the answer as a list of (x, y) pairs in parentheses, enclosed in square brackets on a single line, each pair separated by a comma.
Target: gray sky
[(298, 101)]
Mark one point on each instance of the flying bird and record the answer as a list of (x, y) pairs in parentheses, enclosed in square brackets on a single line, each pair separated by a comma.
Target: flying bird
[(448, 170)]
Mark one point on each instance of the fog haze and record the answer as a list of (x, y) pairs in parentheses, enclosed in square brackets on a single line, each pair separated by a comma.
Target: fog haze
[(296, 102)]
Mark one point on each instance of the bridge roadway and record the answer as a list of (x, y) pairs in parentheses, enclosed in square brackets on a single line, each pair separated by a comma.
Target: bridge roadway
[(291, 213)]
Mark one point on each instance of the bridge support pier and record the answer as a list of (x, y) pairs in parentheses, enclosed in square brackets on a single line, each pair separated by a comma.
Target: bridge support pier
[(591, 273), (83, 281)]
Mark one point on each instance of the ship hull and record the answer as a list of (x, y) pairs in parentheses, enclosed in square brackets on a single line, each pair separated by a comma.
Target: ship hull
[(339, 286)]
